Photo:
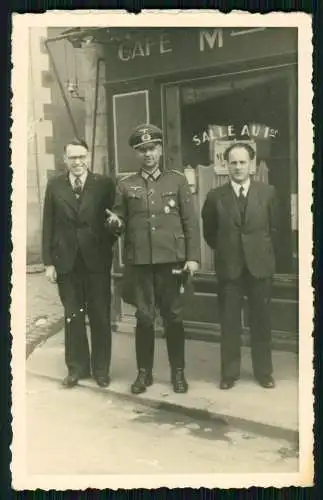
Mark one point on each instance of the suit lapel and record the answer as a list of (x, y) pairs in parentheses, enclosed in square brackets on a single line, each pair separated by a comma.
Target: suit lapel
[(67, 194), (252, 202), (87, 194), (230, 203)]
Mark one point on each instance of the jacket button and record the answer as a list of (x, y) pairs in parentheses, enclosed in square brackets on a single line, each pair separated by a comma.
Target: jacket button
[(153, 215), (153, 228)]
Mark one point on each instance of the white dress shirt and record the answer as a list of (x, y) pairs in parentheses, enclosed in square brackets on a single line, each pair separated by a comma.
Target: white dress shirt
[(236, 187), (81, 177)]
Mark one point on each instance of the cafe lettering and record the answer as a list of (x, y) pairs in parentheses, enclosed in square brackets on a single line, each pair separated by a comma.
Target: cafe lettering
[(130, 50)]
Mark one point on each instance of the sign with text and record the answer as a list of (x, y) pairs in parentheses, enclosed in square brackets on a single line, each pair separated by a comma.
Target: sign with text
[(254, 131), (154, 51)]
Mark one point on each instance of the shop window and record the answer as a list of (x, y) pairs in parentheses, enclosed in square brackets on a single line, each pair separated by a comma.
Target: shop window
[(256, 109)]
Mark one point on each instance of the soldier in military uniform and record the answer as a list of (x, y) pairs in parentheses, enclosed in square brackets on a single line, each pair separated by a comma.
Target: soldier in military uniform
[(155, 211)]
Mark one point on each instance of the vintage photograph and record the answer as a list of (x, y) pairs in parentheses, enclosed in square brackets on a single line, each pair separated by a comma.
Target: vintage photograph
[(162, 303)]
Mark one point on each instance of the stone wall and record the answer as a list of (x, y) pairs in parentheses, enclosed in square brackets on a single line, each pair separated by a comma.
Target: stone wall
[(38, 130)]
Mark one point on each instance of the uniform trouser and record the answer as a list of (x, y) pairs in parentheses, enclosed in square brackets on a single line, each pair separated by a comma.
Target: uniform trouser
[(231, 294), (84, 292), (156, 286)]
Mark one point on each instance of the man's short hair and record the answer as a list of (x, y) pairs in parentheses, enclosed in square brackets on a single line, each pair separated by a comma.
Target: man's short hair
[(76, 142), (235, 145)]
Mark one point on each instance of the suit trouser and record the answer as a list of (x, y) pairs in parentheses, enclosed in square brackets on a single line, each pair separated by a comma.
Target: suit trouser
[(84, 292), (231, 294), (156, 286)]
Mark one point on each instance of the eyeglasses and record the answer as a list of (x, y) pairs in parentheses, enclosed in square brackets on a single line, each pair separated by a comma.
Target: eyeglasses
[(73, 158)]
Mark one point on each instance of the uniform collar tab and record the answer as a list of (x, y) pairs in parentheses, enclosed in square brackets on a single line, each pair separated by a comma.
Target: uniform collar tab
[(152, 175)]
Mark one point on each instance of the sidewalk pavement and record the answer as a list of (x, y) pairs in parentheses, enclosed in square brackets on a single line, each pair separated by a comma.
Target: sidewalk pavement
[(272, 412), (44, 310)]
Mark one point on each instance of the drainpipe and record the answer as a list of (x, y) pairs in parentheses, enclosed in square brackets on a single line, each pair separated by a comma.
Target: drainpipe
[(96, 98)]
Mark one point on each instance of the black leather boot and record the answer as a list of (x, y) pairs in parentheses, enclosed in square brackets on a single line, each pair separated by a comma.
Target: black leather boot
[(179, 382), (144, 379)]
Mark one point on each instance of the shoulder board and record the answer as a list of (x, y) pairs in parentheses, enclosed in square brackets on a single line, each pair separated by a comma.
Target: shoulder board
[(124, 177), (176, 171)]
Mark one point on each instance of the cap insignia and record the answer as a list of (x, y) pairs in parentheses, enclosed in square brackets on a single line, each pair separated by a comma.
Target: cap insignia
[(145, 135)]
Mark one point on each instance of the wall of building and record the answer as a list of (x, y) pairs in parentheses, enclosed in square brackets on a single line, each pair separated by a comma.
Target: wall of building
[(39, 160), (65, 57)]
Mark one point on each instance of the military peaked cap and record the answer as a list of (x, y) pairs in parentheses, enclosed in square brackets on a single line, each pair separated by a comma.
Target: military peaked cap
[(145, 134)]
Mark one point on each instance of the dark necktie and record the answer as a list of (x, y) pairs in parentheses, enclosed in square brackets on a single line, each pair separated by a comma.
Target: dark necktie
[(242, 203), (77, 187)]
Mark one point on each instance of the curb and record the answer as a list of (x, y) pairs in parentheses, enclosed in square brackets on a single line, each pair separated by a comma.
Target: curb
[(243, 424), (38, 336), (35, 269)]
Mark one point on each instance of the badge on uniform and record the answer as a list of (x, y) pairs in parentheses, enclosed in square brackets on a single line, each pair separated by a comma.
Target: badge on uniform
[(167, 209), (171, 203)]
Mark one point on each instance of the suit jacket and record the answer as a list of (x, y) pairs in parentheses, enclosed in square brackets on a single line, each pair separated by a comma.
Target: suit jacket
[(237, 244), (160, 225), (71, 225)]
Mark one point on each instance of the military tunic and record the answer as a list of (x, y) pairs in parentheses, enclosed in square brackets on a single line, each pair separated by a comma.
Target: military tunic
[(159, 218)]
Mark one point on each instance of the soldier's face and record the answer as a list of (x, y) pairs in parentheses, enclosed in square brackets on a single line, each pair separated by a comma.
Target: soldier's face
[(239, 165), (76, 159), (149, 155)]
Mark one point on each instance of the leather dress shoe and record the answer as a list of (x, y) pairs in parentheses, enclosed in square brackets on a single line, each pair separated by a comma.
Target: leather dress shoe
[(103, 381), (266, 381), (180, 385), (144, 379), (70, 381), (227, 383)]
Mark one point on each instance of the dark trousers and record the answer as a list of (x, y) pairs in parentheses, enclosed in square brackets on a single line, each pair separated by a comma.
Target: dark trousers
[(231, 293), (156, 286), (84, 292)]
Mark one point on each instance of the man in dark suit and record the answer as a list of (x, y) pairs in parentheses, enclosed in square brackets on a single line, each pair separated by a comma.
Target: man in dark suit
[(240, 225), (77, 254)]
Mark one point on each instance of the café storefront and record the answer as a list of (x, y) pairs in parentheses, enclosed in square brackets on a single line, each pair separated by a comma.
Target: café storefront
[(205, 88)]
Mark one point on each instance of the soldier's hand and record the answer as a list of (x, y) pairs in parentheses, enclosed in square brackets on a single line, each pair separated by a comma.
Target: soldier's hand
[(113, 220), (191, 266), (51, 274)]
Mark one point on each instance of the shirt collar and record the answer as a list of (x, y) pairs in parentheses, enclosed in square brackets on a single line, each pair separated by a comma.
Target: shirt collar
[(82, 177), (236, 187), (154, 175)]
